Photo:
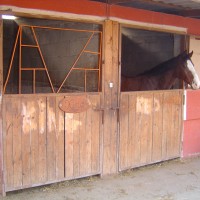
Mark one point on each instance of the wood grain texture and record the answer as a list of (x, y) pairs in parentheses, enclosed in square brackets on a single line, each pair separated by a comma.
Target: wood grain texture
[(42, 144), (110, 128), (150, 127)]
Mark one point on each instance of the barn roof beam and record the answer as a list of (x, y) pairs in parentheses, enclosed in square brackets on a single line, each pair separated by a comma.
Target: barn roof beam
[(178, 7), (150, 2), (190, 13)]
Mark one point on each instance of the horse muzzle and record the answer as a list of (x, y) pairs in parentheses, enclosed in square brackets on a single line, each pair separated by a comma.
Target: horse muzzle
[(195, 85)]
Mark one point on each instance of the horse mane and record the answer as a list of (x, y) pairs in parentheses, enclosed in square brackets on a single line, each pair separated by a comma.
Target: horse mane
[(161, 68)]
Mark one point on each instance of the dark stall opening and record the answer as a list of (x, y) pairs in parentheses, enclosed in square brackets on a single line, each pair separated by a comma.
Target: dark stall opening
[(50, 56), (142, 50)]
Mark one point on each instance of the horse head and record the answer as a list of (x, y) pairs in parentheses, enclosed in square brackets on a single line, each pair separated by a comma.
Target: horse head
[(188, 74)]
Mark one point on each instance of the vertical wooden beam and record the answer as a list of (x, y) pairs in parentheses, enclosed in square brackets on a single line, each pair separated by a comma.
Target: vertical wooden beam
[(2, 190), (110, 91)]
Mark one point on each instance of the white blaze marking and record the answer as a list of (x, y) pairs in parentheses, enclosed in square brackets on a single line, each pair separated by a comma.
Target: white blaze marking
[(196, 82)]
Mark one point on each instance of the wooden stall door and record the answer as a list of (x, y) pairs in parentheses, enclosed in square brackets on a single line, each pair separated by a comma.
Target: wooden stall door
[(82, 140), (150, 127), (42, 144)]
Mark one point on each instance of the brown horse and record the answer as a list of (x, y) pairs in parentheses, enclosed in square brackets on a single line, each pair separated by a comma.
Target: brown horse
[(163, 76)]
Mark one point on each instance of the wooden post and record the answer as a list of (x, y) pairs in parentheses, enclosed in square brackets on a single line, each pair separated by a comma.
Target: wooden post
[(110, 103), (2, 190)]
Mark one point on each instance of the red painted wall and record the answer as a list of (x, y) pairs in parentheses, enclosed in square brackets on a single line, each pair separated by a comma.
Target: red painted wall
[(191, 136), (71, 6), (86, 7)]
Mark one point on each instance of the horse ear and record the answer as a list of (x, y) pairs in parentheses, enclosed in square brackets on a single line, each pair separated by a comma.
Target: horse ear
[(190, 54), (184, 54)]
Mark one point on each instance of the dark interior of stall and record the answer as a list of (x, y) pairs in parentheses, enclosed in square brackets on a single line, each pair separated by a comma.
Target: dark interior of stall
[(142, 50), (45, 56)]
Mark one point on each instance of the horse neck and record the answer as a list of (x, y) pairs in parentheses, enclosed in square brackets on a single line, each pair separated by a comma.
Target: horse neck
[(168, 78)]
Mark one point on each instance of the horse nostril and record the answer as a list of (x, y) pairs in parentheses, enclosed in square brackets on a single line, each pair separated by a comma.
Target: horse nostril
[(195, 85)]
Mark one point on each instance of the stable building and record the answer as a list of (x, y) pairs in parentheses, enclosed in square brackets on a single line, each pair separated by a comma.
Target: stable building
[(63, 114)]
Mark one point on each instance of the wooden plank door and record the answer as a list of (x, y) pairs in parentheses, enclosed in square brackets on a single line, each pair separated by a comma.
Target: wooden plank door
[(42, 144), (83, 140), (150, 127), (24, 141)]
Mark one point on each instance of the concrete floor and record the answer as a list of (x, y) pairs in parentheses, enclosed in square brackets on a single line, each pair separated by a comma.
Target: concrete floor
[(172, 180)]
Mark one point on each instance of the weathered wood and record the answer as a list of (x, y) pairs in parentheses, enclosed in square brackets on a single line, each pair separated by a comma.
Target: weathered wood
[(144, 123), (69, 147), (83, 143), (157, 127), (178, 127), (43, 145), (27, 126), (114, 95), (95, 134), (111, 30), (42, 142), (8, 143), (76, 145), (60, 141), (107, 97), (51, 138), (133, 155), (150, 127), (55, 139), (17, 142), (34, 131), (124, 133), (174, 127), (88, 142)]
